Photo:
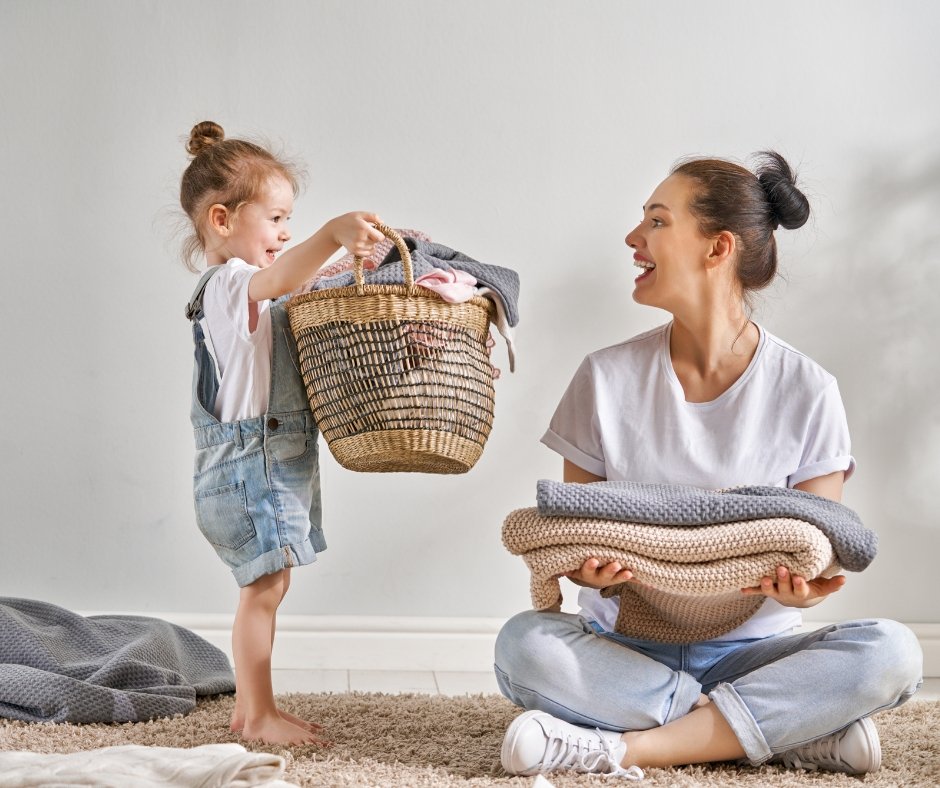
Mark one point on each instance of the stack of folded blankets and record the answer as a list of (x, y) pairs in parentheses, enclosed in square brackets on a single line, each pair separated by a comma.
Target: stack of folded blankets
[(691, 550)]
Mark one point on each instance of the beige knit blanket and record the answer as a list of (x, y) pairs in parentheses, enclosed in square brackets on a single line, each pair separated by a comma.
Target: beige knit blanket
[(688, 578)]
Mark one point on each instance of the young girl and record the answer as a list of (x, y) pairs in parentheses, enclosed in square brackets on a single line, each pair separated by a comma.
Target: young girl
[(256, 479), (713, 400)]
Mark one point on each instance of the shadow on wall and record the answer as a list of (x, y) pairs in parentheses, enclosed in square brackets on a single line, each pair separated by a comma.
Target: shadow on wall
[(875, 302)]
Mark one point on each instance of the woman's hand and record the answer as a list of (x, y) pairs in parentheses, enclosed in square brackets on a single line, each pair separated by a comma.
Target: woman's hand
[(594, 574), (795, 591), (355, 231)]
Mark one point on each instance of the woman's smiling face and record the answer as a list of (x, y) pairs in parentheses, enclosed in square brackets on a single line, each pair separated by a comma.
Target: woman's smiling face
[(669, 246)]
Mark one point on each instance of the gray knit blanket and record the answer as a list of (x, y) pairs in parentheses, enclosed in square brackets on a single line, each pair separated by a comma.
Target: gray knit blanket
[(426, 256), (691, 551), (57, 666), (673, 504)]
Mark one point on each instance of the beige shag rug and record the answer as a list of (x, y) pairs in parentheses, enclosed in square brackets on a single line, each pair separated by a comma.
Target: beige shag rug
[(422, 740)]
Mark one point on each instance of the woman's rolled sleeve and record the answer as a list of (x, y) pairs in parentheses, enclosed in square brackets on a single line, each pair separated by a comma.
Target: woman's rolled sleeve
[(826, 446), (574, 432)]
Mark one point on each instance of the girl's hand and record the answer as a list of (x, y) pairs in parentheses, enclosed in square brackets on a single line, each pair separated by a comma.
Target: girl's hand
[(355, 231), (795, 591), (594, 574)]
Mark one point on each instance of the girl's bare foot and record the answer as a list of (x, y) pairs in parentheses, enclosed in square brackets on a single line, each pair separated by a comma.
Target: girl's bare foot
[(274, 729), (301, 723), (238, 721)]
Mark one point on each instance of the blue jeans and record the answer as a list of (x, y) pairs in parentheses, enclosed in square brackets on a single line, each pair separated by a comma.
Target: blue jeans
[(776, 693)]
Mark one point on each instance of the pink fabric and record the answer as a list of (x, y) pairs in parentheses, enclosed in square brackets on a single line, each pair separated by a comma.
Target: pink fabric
[(454, 286), (382, 248)]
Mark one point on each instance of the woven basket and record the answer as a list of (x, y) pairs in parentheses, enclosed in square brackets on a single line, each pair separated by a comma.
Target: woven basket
[(398, 379)]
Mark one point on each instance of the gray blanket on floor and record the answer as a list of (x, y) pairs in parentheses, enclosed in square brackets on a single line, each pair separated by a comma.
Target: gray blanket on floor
[(57, 666), (673, 504)]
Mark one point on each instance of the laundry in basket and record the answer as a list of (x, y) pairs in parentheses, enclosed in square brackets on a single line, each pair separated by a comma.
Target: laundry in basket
[(398, 379)]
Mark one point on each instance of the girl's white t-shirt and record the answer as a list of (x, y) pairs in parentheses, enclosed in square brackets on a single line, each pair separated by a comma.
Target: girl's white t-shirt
[(243, 357), (624, 417)]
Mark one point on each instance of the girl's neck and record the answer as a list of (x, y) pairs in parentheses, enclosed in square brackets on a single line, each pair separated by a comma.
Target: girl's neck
[(710, 352)]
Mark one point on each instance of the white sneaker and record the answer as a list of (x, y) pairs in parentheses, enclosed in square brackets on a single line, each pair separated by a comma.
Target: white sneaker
[(853, 750), (538, 742)]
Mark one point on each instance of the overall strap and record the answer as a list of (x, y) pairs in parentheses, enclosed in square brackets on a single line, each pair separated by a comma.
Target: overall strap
[(288, 393), (194, 307), (205, 374)]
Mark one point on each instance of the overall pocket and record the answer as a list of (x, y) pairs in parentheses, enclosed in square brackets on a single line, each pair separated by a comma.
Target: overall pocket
[(222, 516), (287, 447)]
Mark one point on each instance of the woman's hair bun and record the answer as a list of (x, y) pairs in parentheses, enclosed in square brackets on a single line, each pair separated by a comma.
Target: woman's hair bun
[(788, 205), (204, 135)]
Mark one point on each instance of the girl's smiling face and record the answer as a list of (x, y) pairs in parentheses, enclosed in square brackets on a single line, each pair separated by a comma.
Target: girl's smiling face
[(669, 246), (258, 230)]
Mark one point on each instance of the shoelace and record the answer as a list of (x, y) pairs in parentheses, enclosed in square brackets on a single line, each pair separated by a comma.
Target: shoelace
[(599, 758), (822, 751), (583, 756)]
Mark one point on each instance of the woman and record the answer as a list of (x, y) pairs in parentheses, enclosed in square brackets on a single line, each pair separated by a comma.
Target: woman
[(710, 399)]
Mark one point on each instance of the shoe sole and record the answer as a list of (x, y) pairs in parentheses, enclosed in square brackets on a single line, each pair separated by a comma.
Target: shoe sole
[(874, 744), (509, 742)]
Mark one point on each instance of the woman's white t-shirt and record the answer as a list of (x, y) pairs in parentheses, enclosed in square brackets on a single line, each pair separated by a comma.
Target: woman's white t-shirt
[(624, 417), (243, 357)]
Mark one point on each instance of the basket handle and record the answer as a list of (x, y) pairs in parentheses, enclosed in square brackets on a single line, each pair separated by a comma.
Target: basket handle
[(399, 242)]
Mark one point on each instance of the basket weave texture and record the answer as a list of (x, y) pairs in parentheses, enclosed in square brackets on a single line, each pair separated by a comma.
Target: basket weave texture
[(398, 379)]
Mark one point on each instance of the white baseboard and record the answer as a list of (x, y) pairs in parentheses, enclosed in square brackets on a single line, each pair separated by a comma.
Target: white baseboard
[(365, 642), (929, 637), (411, 643)]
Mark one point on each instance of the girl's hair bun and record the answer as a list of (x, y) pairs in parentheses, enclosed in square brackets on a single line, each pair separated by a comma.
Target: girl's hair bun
[(789, 206), (204, 135)]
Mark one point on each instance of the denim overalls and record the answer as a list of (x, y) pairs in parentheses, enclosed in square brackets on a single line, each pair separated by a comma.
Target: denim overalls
[(256, 482)]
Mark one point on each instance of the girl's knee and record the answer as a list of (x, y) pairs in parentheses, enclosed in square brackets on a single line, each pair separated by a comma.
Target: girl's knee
[(268, 589)]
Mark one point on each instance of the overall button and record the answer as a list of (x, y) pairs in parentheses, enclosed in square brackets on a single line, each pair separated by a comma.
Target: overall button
[(273, 423)]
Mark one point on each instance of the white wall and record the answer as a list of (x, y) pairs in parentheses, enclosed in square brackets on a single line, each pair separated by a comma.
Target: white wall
[(527, 134)]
